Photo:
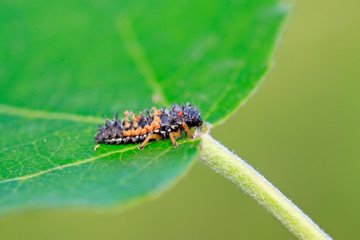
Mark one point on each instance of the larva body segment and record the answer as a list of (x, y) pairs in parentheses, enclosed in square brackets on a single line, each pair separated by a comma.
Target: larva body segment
[(158, 124)]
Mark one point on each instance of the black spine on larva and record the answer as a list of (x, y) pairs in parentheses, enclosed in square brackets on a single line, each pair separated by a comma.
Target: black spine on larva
[(149, 117), (171, 120), (112, 129), (143, 121), (191, 116)]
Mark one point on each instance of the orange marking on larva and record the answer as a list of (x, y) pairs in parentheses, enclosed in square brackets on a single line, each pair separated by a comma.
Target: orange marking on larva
[(137, 132), (156, 125), (154, 109), (134, 122), (138, 118), (156, 119), (150, 128), (127, 133), (127, 124), (156, 112), (142, 131), (180, 114)]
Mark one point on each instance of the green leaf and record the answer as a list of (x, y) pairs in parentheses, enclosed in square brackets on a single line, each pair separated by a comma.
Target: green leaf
[(66, 64)]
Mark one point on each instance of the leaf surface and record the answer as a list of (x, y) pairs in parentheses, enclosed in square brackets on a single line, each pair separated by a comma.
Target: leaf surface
[(66, 64)]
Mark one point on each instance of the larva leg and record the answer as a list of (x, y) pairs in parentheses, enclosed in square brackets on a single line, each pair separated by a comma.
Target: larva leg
[(185, 126), (149, 137), (171, 135), (177, 134)]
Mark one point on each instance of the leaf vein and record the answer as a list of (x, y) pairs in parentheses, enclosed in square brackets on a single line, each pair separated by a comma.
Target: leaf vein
[(39, 114), (137, 54), (23, 178)]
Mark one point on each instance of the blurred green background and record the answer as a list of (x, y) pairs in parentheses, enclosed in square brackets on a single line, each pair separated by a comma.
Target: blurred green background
[(301, 130)]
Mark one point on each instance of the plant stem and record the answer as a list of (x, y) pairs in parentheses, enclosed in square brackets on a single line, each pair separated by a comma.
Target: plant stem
[(242, 174)]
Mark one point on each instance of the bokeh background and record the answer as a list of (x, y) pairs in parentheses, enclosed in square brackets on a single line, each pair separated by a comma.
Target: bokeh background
[(301, 130)]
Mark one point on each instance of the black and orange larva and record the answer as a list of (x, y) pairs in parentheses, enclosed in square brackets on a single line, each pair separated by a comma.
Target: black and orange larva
[(159, 124)]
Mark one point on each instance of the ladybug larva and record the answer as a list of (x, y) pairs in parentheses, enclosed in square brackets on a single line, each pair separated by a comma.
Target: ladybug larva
[(158, 124)]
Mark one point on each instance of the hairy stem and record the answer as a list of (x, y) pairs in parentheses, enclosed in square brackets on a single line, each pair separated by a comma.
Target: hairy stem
[(242, 174)]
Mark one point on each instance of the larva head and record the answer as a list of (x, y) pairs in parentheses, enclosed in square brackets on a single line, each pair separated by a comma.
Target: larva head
[(191, 116)]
